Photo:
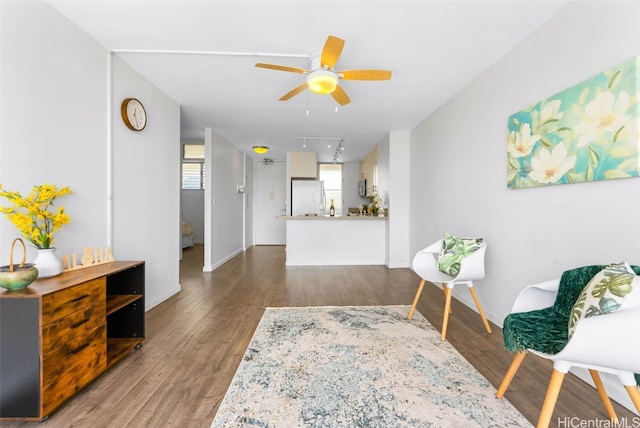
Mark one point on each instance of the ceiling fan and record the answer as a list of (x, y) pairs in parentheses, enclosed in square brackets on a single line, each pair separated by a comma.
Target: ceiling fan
[(322, 78)]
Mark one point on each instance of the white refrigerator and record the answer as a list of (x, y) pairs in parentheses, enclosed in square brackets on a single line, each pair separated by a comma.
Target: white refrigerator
[(307, 197)]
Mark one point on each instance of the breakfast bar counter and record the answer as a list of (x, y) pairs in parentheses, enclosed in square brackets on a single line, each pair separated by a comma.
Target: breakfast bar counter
[(339, 240)]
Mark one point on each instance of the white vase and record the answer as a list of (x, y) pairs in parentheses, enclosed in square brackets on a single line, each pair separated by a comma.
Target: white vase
[(48, 263)]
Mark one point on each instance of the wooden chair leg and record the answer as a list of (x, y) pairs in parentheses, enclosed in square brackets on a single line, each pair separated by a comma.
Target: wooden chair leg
[(447, 308), (553, 390), (603, 395), (634, 393), (480, 310), (508, 377), (444, 291), (415, 300)]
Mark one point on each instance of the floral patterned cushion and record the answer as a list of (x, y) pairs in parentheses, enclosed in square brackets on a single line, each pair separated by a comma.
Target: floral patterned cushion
[(454, 249), (614, 288)]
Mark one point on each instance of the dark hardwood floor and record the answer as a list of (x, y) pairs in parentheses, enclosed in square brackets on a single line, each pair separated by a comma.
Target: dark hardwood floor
[(196, 339)]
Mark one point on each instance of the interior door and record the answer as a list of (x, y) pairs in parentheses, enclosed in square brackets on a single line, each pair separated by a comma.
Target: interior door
[(270, 203)]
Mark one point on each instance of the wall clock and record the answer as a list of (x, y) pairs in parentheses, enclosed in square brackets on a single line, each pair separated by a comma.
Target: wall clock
[(133, 114)]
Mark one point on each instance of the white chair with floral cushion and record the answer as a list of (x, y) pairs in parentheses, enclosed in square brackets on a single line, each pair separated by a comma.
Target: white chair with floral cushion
[(558, 320), (450, 261)]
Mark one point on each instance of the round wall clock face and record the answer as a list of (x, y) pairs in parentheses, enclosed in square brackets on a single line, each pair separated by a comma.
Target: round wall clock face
[(133, 114)]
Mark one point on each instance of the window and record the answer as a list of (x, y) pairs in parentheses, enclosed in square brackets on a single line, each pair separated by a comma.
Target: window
[(193, 151), (193, 167), (331, 174), (192, 175)]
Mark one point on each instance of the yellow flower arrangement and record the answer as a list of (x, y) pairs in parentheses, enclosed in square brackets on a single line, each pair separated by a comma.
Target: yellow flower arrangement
[(31, 214)]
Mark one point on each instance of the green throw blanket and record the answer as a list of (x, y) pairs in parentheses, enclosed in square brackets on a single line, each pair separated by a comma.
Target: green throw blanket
[(546, 330)]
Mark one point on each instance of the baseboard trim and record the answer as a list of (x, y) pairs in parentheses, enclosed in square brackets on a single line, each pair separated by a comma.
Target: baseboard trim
[(398, 265), (210, 268), (149, 304)]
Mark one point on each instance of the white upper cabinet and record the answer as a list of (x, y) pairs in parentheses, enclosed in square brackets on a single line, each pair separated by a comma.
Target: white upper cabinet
[(303, 164)]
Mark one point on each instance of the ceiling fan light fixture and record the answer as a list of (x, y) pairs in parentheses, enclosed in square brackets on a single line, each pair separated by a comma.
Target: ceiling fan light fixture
[(322, 81), (260, 149)]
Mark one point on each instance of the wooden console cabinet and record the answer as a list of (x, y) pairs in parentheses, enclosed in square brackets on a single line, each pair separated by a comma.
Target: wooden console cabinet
[(60, 333)]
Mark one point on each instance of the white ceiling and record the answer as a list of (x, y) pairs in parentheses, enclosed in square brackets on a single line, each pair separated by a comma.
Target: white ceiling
[(434, 49)]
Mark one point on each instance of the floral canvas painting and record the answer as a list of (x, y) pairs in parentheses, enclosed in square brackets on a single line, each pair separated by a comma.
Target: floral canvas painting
[(587, 132)]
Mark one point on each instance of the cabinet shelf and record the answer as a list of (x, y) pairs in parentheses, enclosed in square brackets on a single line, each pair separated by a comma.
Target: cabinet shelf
[(118, 301), (119, 347)]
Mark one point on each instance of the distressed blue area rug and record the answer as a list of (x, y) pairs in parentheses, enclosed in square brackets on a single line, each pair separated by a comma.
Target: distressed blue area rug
[(357, 366)]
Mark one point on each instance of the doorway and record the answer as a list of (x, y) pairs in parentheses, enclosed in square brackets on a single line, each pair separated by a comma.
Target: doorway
[(270, 202)]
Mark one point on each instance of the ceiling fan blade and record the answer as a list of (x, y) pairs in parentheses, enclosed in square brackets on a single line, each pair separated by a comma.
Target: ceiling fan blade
[(365, 74), (281, 68), (331, 51), (340, 96), (294, 91)]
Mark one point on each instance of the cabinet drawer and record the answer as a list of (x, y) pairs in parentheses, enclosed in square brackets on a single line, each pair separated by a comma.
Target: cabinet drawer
[(62, 303), (72, 365), (74, 324)]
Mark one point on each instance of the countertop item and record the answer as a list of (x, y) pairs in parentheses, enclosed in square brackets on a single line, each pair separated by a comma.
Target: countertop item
[(326, 217)]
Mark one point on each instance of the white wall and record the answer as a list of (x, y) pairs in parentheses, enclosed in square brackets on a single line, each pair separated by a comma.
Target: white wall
[(193, 212), (458, 163), (146, 184), (393, 188), (54, 127), (53, 120), (398, 199), (249, 198), (224, 206)]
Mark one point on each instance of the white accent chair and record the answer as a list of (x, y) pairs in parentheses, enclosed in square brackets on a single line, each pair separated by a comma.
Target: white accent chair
[(609, 343), (425, 264)]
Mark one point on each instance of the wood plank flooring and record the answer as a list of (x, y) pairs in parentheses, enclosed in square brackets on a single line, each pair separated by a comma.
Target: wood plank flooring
[(196, 339)]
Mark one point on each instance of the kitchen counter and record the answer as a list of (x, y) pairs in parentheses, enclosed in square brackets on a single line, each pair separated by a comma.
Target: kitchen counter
[(339, 240), (326, 217)]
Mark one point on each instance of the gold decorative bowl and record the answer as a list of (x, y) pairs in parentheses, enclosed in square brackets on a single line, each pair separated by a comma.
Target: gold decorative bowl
[(14, 277)]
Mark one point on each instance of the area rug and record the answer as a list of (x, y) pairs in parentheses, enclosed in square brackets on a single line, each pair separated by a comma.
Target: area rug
[(357, 366)]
